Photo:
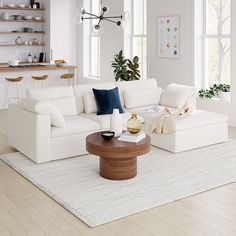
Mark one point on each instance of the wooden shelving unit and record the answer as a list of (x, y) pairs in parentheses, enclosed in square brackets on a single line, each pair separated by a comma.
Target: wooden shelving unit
[(25, 21), (22, 9), (23, 32), (23, 45)]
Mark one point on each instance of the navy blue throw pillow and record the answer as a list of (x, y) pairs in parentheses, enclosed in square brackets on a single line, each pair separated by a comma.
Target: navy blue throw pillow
[(107, 100)]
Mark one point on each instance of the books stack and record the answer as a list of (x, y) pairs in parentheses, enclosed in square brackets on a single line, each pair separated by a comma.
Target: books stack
[(134, 138)]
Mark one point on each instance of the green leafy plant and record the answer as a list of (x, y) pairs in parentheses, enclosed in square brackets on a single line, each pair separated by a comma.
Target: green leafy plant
[(214, 91), (125, 69)]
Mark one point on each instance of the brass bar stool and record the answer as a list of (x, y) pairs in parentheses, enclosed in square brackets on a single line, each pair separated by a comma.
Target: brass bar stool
[(68, 77), (15, 81), (39, 80)]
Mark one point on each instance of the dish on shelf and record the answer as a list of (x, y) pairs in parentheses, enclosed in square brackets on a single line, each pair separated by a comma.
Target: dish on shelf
[(27, 30), (11, 5), (38, 18), (22, 5), (28, 17), (17, 17)]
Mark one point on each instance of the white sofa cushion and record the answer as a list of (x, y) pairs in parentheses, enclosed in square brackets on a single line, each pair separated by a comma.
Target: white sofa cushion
[(81, 89), (43, 107), (134, 85), (176, 95), (62, 97), (90, 105), (104, 120), (75, 125), (66, 105), (142, 97)]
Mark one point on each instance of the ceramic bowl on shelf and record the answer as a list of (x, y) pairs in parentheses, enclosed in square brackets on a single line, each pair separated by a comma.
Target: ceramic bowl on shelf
[(22, 5), (60, 63), (27, 17), (11, 5), (38, 18)]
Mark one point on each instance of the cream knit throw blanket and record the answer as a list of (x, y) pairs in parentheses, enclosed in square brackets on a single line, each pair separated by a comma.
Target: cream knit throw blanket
[(165, 122)]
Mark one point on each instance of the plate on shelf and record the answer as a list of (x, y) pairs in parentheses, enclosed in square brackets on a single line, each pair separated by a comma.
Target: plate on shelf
[(37, 18), (11, 5), (22, 5), (28, 17)]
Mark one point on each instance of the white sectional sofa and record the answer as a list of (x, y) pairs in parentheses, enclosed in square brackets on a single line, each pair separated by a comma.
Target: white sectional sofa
[(32, 133)]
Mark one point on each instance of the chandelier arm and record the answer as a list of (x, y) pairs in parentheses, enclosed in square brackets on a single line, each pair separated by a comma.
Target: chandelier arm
[(110, 20), (90, 14), (90, 18), (112, 17)]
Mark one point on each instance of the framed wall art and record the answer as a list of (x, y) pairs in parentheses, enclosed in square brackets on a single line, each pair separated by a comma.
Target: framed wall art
[(168, 37)]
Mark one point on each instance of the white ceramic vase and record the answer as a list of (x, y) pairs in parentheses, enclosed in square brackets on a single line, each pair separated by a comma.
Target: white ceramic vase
[(116, 123), (225, 96)]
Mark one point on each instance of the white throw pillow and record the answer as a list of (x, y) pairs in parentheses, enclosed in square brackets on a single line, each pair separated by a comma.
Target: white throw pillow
[(66, 105), (177, 95), (43, 107), (142, 97), (90, 105)]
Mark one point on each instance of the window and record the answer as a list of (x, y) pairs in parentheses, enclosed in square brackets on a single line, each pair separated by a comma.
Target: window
[(216, 41), (136, 33), (91, 42)]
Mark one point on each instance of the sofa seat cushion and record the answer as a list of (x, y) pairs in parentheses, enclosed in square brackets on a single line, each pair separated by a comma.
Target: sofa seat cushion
[(75, 125), (104, 120), (197, 119)]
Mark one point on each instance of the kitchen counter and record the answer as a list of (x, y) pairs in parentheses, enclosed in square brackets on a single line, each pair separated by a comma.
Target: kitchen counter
[(4, 68)]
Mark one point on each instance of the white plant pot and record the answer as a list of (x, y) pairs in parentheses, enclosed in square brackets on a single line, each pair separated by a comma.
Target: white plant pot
[(225, 96), (116, 123)]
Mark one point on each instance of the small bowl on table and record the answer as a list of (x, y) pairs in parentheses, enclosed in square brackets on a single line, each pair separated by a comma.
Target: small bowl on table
[(107, 135)]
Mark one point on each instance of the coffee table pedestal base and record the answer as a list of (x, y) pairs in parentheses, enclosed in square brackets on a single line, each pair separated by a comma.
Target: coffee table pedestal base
[(118, 169)]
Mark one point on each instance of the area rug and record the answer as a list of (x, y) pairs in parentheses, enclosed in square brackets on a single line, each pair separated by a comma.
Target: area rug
[(162, 177)]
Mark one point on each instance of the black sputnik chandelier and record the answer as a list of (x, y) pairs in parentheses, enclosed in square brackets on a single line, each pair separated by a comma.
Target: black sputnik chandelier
[(119, 21)]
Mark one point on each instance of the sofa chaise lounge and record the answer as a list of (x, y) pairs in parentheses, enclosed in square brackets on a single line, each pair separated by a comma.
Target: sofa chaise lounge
[(33, 134)]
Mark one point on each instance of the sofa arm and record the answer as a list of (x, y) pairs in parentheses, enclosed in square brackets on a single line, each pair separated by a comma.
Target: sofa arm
[(30, 133)]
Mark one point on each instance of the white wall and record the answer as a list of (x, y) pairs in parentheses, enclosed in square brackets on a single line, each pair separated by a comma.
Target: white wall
[(171, 70)]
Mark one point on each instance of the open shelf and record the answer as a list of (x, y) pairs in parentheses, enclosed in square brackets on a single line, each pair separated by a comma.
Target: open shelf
[(23, 45), (25, 21), (23, 32), (22, 9)]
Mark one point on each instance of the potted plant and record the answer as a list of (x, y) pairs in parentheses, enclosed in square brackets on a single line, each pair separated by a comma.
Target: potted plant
[(222, 91), (125, 69)]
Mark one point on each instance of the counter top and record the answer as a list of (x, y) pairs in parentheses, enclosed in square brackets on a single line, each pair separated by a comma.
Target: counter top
[(4, 68)]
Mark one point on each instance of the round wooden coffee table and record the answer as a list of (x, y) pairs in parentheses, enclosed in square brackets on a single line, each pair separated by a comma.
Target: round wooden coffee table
[(118, 160)]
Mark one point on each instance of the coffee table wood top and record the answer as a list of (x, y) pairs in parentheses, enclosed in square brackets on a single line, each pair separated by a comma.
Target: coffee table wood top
[(116, 149)]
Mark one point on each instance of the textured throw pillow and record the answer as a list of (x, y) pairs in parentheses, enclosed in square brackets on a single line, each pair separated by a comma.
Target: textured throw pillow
[(177, 95), (89, 103), (142, 97), (107, 100), (42, 107)]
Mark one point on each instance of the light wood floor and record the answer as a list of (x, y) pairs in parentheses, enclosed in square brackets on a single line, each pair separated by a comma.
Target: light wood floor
[(25, 210)]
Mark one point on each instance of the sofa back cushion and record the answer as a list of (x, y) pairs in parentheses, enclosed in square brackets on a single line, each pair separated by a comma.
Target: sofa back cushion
[(62, 97), (177, 96), (134, 85), (83, 89), (90, 105), (142, 97)]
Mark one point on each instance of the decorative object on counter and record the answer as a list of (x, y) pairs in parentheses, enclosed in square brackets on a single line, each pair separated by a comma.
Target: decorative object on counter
[(35, 59), (16, 81), (222, 91), (107, 135), (125, 69), (29, 58), (18, 40), (116, 123), (134, 125), (5, 16), (60, 63), (32, 3), (13, 62), (42, 57), (34, 6), (98, 28)]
